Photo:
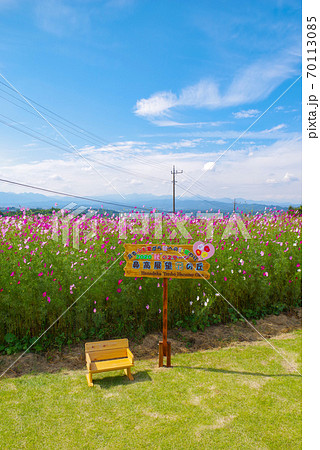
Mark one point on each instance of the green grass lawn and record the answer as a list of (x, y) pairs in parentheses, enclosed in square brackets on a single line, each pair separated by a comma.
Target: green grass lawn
[(241, 398)]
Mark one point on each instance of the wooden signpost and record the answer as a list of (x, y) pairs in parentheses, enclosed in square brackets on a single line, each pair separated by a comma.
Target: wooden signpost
[(164, 261)]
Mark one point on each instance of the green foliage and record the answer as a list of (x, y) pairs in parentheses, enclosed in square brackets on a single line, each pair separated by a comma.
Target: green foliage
[(40, 278), (295, 210)]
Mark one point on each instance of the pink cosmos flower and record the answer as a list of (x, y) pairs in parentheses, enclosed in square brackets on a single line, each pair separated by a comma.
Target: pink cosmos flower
[(119, 290), (120, 281), (147, 307), (49, 299), (94, 310), (140, 287), (12, 274), (44, 294)]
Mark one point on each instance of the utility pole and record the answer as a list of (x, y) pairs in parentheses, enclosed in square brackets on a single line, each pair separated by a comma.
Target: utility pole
[(234, 206), (174, 173)]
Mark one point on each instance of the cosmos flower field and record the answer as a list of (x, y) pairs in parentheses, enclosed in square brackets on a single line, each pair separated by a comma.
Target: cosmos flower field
[(44, 270)]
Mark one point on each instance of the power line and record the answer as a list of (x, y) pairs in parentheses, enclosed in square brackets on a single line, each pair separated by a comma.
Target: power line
[(197, 183), (58, 132), (74, 195), (84, 135), (83, 131), (48, 110), (66, 149), (199, 196), (98, 161)]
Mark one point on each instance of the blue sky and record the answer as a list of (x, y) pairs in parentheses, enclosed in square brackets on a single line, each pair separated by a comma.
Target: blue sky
[(162, 83)]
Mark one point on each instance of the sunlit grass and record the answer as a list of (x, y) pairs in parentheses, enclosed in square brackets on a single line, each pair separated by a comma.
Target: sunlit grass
[(241, 397)]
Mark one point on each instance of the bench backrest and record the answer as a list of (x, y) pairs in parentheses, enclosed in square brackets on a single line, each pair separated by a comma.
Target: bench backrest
[(103, 350)]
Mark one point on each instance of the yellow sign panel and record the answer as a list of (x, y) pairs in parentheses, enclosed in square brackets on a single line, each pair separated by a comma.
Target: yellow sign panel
[(164, 261)]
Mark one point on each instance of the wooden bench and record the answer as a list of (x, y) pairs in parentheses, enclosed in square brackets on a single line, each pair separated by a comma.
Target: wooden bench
[(104, 356)]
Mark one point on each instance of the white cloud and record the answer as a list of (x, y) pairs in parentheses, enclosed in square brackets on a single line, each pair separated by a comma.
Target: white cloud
[(209, 166), (246, 114), (275, 133), (271, 172), (204, 94), (254, 83), (288, 177), (276, 128), (172, 123), (58, 17), (184, 143), (271, 181), (157, 105), (219, 142), (135, 182)]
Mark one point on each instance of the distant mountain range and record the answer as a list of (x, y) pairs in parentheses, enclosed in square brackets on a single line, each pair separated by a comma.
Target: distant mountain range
[(225, 205)]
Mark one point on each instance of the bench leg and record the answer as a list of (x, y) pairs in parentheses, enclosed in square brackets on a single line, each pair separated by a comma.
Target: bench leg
[(89, 379), (160, 354), (128, 373)]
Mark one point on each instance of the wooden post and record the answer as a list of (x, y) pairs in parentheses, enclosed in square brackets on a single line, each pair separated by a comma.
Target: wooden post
[(165, 316), (164, 345), (168, 354)]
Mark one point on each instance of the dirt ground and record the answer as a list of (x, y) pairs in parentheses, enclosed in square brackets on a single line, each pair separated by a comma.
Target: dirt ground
[(182, 341)]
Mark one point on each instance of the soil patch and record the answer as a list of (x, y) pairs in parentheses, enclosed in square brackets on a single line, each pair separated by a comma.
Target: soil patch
[(182, 341)]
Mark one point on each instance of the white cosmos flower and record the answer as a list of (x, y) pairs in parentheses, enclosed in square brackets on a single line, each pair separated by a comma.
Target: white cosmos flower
[(191, 303)]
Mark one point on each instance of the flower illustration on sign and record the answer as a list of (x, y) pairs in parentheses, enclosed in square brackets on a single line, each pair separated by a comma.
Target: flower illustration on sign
[(203, 250)]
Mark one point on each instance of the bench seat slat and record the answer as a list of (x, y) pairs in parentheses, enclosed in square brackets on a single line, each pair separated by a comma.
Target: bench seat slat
[(104, 366)]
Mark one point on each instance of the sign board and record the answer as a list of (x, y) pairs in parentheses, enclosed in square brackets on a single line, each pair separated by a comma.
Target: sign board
[(164, 261)]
